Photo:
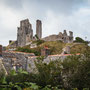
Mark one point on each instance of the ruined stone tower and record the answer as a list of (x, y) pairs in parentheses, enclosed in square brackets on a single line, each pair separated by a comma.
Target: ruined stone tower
[(24, 33), (65, 37), (39, 29), (70, 37)]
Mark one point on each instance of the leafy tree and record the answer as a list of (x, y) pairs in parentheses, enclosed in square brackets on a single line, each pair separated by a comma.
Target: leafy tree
[(76, 70), (29, 50), (80, 40), (49, 74), (70, 67)]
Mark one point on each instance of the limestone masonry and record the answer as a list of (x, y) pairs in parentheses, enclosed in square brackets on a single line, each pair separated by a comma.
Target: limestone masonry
[(39, 29), (25, 34), (61, 36), (15, 60)]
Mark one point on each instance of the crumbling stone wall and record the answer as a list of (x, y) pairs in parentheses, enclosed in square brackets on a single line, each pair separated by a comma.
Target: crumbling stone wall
[(64, 37), (12, 60), (16, 60), (24, 33)]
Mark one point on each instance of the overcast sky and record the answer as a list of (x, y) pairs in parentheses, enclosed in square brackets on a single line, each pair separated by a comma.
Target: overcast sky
[(56, 16)]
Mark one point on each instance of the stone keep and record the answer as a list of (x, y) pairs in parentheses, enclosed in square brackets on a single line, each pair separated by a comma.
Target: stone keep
[(24, 33), (39, 29)]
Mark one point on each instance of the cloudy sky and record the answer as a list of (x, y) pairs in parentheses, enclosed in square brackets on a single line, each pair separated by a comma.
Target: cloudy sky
[(56, 16)]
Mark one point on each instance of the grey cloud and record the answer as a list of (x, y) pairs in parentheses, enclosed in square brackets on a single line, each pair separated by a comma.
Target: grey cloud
[(13, 4), (62, 6), (58, 6)]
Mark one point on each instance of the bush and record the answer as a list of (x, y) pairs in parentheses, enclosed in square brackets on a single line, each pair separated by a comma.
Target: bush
[(28, 50), (72, 74), (77, 71), (80, 40), (49, 74)]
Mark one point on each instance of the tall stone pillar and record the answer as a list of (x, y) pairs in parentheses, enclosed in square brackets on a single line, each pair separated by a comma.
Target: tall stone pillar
[(70, 33), (65, 37), (70, 37), (39, 29)]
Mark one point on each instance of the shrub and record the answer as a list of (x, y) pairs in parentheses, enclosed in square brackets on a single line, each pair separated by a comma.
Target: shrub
[(28, 50), (80, 40)]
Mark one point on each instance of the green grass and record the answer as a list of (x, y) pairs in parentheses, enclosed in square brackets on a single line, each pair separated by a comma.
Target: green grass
[(78, 48), (55, 47)]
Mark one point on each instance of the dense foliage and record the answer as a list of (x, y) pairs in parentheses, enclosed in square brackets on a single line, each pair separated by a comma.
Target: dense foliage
[(29, 50), (80, 40), (73, 73)]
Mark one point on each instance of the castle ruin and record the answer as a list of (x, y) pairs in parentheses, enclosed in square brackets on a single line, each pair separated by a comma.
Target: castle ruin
[(25, 34), (64, 37)]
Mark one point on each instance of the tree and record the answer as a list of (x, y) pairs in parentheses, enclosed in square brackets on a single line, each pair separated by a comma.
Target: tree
[(76, 70), (80, 40), (49, 74)]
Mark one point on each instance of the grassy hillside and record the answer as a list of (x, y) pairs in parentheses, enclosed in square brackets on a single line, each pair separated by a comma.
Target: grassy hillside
[(55, 47), (79, 48)]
